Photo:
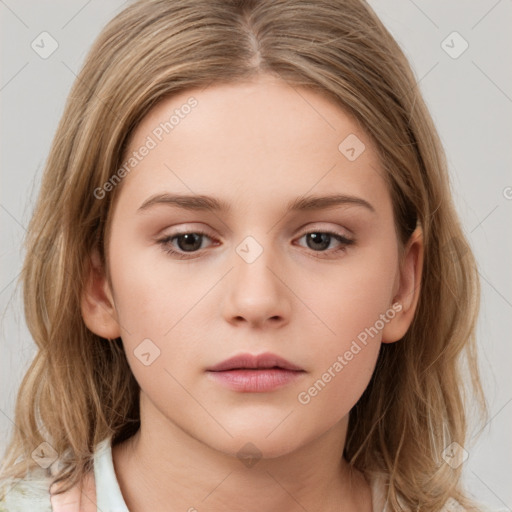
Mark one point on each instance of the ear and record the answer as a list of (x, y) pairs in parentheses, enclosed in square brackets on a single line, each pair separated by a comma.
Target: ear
[(97, 304), (407, 289)]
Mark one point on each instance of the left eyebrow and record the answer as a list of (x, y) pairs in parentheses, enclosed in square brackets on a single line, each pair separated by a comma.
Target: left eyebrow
[(307, 203), (209, 203)]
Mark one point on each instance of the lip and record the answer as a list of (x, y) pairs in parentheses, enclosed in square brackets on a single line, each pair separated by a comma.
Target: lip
[(255, 381), (252, 361), (250, 373)]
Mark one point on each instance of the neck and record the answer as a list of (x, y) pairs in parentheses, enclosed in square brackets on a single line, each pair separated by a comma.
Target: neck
[(174, 471)]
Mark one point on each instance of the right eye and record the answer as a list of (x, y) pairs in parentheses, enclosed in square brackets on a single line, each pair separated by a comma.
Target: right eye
[(187, 242)]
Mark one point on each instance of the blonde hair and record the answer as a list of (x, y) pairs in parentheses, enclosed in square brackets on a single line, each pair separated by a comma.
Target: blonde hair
[(79, 388)]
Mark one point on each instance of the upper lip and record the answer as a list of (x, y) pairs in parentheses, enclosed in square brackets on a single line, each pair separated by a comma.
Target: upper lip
[(266, 360)]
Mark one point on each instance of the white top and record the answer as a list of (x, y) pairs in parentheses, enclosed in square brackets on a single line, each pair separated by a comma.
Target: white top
[(32, 493), (108, 492)]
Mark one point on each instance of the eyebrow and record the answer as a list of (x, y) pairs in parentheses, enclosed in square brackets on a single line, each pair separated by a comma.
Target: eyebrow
[(208, 203)]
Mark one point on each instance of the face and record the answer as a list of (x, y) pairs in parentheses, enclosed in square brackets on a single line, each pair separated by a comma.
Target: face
[(194, 286)]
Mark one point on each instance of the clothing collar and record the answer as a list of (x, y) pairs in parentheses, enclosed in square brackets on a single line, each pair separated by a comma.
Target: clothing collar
[(110, 499)]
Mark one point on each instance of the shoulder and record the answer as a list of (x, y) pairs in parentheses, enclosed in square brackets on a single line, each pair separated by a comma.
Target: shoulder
[(32, 493), (29, 493)]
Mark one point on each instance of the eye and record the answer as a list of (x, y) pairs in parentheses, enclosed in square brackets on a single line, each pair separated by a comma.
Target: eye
[(190, 242), (320, 240)]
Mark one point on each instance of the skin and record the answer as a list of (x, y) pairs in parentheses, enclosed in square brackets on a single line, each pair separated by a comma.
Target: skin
[(256, 145)]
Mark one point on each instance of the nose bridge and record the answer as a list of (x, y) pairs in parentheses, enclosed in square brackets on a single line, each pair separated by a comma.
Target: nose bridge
[(255, 258), (255, 292)]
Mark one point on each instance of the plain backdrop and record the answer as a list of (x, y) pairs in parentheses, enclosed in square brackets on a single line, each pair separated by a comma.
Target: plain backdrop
[(468, 91)]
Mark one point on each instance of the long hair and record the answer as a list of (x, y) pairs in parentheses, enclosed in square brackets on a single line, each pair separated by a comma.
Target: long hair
[(79, 388)]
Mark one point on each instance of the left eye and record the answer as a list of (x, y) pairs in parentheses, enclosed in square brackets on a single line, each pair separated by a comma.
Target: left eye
[(191, 242), (322, 239)]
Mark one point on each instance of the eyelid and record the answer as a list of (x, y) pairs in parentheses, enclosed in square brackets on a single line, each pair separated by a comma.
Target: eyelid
[(303, 230), (343, 240), (317, 226), (184, 229)]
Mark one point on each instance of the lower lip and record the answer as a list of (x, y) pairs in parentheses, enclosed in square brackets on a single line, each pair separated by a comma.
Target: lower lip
[(256, 381)]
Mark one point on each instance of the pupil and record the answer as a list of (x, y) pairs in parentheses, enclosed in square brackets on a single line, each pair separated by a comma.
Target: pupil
[(320, 238), (190, 238)]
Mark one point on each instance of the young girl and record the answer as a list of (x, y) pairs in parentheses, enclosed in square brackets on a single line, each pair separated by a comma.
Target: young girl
[(306, 353)]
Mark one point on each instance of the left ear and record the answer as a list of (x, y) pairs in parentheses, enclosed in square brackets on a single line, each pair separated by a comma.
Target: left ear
[(407, 289)]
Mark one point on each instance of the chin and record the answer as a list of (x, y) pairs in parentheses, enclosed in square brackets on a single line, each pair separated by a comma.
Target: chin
[(255, 443)]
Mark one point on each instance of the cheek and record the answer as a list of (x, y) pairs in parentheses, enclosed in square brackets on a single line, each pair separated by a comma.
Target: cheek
[(352, 298), (155, 304), (152, 295), (339, 383), (337, 315), (353, 306)]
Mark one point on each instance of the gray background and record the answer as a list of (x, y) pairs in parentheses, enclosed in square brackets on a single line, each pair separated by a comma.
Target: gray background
[(470, 98)]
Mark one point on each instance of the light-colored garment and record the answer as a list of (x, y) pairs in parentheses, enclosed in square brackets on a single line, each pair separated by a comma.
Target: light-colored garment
[(31, 494)]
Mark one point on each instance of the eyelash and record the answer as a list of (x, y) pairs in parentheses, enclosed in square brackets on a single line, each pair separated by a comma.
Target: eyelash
[(165, 243)]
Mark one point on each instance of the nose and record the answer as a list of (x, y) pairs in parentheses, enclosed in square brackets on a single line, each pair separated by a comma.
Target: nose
[(256, 290)]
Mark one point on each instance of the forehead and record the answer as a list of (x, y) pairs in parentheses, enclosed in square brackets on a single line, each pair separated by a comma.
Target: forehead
[(262, 140)]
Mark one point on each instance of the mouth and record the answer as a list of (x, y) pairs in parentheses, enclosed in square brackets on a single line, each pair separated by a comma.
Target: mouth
[(255, 373), (247, 361)]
